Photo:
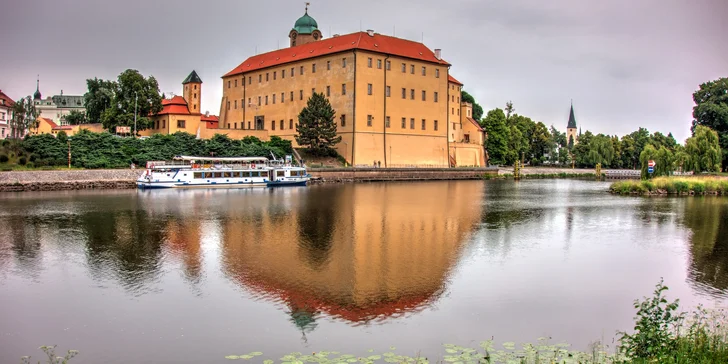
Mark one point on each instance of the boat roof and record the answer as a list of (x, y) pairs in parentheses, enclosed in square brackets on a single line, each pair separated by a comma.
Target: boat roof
[(221, 159)]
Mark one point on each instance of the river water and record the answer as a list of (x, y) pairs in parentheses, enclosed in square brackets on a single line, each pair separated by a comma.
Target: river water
[(190, 276)]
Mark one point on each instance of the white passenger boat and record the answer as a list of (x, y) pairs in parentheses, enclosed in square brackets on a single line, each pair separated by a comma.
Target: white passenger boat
[(223, 172)]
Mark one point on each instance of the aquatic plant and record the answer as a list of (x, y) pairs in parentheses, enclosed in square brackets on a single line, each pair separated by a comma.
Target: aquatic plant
[(672, 185), (50, 352)]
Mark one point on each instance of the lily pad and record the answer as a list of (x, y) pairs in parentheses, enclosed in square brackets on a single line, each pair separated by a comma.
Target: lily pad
[(232, 357)]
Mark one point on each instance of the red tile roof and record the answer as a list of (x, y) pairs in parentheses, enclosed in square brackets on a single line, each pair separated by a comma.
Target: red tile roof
[(475, 123), (8, 101), (176, 105), (51, 123), (211, 118), (453, 80), (361, 40)]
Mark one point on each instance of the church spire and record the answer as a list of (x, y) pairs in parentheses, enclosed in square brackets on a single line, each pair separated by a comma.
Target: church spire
[(572, 119), (36, 95)]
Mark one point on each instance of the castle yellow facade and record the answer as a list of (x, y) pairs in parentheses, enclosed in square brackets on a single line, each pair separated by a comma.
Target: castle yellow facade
[(394, 99)]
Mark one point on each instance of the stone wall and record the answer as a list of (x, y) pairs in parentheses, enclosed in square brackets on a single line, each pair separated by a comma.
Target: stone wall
[(125, 178), (548, 170)]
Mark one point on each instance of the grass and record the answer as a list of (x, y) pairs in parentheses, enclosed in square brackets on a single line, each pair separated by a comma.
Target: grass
[(551, 175), (672, 186)]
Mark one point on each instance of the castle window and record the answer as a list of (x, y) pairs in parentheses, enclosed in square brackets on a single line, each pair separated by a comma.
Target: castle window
[(228, 105), (236, 104), (369, 62), (328, 65), (301, 71), (235, 126), (228, 84), (272, 125), (468, 112), (266, 99), (291, 95), (290, 124), (242, 103), (283, 98), (424, 95), (388, 91), (248, 124), (412, 94), (250, 80), (293, 71), (274, 98), (194, 106), (283, 73), (313, 68), (260, 78), (386, 122), (369, 89), (157, 125), (452, 111), (424, 71), (458, 99), (437, 73), (343, 120), (423, 124), (274, 75), (164, 124), (282, 124), (328, 91), (236, 82), (404, 123), (458, 112), (369, 120), (452, 98), (195, 95), (249, 102), (412, 123), (388, 65), (195, 87), (379, 64), (313, 90), (404, 93), (404, 68), (266, 77), (259, 100), (435, 125), (301, 94), (412, 69), (180, 124), (343, 63), (435, 96)]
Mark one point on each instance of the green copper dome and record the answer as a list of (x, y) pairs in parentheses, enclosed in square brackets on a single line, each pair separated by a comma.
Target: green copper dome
[(305, 24)]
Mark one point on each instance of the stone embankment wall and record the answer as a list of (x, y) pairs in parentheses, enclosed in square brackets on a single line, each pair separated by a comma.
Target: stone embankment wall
[(125, 178), (68, 180)]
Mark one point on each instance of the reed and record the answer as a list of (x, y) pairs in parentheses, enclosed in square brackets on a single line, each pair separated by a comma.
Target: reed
[(672, 186)]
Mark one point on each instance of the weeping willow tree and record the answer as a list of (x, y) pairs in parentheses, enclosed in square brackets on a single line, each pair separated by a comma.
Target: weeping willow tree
[(664, 161), (702, 151)]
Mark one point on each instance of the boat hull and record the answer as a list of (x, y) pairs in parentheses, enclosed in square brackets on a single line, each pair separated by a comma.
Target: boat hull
[(158, 185)]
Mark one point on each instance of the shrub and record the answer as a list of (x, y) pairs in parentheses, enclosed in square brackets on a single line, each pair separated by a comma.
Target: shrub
[(4, 158), (22, 161), (681, 186), (697, 187), (32, 158), (648, 185)]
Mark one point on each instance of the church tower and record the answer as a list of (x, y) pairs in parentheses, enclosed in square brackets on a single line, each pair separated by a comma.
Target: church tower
[(192, 92), (305, 30), (571, 136)]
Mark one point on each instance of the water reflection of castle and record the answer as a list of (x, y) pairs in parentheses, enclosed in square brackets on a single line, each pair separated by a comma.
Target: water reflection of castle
[(353, 252)]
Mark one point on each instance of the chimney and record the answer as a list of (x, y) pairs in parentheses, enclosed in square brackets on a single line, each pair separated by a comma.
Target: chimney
[(335, 35), (438, 54), (370, 32), (207, 113)]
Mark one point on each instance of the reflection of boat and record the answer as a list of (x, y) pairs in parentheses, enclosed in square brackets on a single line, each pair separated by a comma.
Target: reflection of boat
[(237, 172)]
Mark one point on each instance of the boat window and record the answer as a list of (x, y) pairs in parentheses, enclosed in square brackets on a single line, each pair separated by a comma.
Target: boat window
[(218, 174), (280, 173), (198, 174), (294, 173), (227, 174), (264, 174)]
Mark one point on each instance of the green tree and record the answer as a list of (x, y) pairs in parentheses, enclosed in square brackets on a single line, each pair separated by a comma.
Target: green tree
[(711, 110), (75, 117), (132, 94), (498, 134), (477, 109), (617, 146), (558, 137), (580, 151), (540, 143), (600, 150), (628, 152), (98, 98), (25, 117), (664, 161), (316, 129), (703, 151), (510, 110)]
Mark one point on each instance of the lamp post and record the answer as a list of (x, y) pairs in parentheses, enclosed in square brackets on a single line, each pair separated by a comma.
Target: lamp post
[(136, 97)]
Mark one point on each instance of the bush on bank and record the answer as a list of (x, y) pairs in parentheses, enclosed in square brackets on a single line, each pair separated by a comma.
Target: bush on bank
[(672, 186), (104, 150)]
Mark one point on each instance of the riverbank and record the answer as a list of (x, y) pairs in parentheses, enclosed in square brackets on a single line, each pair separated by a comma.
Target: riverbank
[(663, 186), (17, 181)]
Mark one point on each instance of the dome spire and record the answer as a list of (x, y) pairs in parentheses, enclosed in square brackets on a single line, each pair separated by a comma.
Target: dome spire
[(36, 95), (307, 4)]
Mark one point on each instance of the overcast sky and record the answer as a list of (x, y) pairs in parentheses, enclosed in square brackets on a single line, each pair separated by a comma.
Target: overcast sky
[(625, 63)]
